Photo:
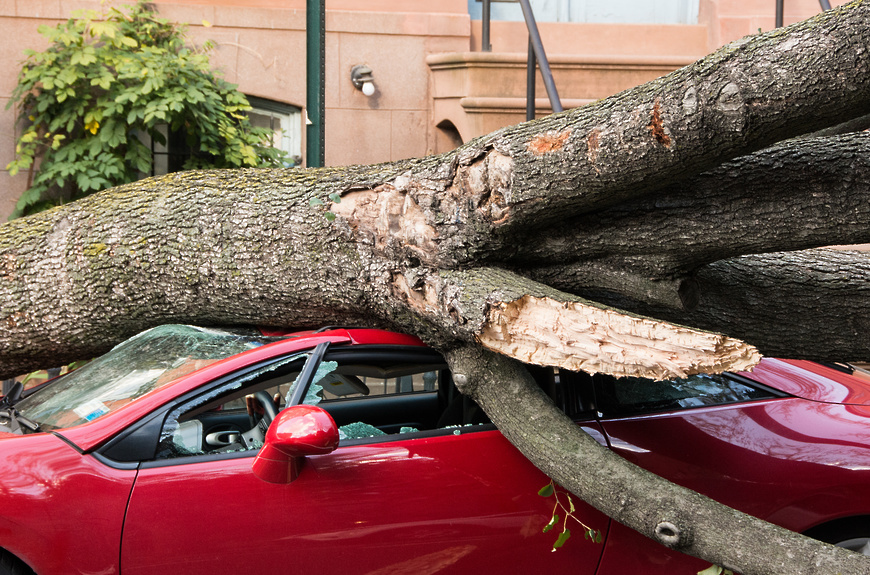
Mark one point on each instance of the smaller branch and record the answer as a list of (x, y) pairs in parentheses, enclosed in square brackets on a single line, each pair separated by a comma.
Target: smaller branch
[(670, 514), (856, 125), (537, 324), (616, 279)]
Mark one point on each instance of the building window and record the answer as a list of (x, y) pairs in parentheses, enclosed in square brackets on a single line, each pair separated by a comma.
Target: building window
[(169, 155), (284, 120), (171, 151), (601, 11)]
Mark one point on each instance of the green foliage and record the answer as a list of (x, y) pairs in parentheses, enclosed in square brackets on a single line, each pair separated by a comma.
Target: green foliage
[(333, 197), (716, 570), (110, 80), (550, 490), (38, 377)]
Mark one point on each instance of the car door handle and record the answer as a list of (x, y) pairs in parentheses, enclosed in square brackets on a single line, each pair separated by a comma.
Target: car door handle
[(221, 438)]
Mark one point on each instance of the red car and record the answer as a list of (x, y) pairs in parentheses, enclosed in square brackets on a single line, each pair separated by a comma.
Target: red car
[(350, 451)]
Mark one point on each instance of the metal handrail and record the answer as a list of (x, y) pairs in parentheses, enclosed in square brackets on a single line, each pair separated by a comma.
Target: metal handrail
[(537, 57), (780, 5), (537, 53), (541, 56)]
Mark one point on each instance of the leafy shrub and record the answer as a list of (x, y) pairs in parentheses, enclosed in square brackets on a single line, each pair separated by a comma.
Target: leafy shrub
[(110, 80)]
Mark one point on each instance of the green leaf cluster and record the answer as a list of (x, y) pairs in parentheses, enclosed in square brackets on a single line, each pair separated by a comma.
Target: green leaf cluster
[(333, 197), (110, 81), (550, 490)]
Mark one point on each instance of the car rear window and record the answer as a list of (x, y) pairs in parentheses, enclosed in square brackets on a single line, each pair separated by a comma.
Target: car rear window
[(635, 395)]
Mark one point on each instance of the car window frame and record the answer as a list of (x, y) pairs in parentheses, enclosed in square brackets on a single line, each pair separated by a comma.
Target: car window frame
[(403, 354), (146, 432), (149, 428)]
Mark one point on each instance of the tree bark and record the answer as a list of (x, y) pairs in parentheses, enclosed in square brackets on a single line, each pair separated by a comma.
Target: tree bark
[(799, 194), (417, 217), (819, 296), (490, 245)]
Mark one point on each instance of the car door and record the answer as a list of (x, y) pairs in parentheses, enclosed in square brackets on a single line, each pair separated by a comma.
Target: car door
[(420, 498)]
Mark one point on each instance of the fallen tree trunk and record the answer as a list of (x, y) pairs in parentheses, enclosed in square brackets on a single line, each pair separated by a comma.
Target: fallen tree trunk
[(444, 247), (193, 247)]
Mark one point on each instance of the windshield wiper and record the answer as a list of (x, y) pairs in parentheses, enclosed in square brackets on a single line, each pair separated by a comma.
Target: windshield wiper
[(8, 411), (15, 422)]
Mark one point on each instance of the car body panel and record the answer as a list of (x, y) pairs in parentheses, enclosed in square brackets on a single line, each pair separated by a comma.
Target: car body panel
[(443, 504), (62, 511), (428, 502), (812, 381), (789, 461)]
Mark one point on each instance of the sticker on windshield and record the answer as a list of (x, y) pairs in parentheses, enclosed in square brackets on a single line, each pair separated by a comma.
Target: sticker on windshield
[(91, 410)]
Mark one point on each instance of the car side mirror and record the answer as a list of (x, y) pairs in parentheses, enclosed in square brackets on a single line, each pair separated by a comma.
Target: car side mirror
[(298, 431)]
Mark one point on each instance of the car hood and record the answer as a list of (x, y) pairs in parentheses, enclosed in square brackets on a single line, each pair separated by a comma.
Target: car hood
[(812, 381)]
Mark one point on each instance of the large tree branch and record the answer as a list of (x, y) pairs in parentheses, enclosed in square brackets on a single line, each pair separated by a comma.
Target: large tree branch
[(799, 194), (744, 97), (536, 324), (122, 275), (469, 205), (813, 304), (672, 515)]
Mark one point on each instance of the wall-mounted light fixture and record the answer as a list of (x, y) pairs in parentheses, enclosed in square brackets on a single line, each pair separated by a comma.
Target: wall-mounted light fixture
[(362, 79)]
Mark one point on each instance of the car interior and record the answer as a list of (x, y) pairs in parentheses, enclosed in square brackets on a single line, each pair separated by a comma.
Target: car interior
[(375, 393)]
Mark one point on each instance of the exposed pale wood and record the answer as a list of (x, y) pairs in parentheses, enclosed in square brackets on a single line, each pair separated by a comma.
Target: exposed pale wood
[(571, 335), (529, 321)]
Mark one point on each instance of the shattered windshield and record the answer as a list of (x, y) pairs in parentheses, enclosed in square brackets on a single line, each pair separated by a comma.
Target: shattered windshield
[(130, 370)]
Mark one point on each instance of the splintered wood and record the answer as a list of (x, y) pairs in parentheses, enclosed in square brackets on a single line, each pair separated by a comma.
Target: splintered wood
[(580, 337), (391, 217)]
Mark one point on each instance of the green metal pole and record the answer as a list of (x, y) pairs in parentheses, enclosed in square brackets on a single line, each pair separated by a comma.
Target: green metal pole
[(315, 55)]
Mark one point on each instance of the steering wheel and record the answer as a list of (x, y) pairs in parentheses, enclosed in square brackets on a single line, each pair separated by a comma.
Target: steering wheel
[(254, 437)]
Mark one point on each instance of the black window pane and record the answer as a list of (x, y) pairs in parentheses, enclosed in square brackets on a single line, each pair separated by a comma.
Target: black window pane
[(635, 395)]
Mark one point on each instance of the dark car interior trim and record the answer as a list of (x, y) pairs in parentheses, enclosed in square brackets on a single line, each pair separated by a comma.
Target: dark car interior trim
[(427, 413)]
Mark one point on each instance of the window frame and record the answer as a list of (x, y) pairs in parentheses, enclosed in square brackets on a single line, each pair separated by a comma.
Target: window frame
[(291, 136), (137, 445)]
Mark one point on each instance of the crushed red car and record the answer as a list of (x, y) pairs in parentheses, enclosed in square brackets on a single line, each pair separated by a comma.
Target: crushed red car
[(193, 450)]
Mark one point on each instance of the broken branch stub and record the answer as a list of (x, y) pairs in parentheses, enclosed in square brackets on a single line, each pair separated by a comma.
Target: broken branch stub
[(581, 337)]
